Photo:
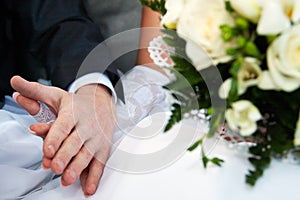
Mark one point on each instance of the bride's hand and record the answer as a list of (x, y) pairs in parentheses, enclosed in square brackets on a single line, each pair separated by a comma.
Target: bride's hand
[(78, 142)]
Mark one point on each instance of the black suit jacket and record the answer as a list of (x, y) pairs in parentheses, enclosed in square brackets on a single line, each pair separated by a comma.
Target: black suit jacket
[(46, 39)]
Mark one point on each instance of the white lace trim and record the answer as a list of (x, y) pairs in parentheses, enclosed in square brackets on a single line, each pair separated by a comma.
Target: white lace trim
[(160, 52), (143, 90)]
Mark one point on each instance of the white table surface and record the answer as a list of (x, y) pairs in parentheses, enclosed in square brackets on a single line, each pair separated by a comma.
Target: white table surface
[(185, 178)]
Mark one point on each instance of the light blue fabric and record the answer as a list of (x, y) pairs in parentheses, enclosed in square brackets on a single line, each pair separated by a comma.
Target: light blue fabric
[(20, 153), (12, 106)]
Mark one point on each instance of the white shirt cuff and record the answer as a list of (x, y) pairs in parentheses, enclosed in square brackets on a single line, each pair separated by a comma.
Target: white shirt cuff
[(93, 78)]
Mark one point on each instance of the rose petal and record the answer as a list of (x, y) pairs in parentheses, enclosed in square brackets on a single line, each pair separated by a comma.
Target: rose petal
[(266, 82), (297, 133), (296, 11), (249, 9), (273, 20), (198, 55), (249, 130), (231, 120), (287, 84), (174, 9), (225, 88)]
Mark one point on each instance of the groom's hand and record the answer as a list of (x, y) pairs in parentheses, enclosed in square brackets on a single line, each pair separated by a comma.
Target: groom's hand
[(78, 142)]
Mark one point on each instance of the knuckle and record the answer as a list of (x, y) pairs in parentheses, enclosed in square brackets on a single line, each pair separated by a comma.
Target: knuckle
[(82, 161), (86, 153), (77, 140), (53, 139), (63, 129), (97, 165)]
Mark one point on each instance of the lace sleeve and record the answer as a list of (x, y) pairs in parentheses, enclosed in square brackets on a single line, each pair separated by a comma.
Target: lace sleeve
[(143, 90), (159, 52)]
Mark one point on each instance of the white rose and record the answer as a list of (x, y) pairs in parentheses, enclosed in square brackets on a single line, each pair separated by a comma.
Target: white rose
[(297, 133), (283, 59), (248, 75), (271, 16), (174, 8), (242, 117), (200, 22)]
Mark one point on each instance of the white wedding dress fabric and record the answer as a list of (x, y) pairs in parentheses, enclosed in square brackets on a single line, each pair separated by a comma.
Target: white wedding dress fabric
[(21, 174)]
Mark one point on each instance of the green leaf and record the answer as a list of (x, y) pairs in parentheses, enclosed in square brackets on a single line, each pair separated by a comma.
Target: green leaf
[(260, 162), (170, 32), (195, 145), (281, 138), (233, 92), (170, 41), (173, 40), (216, 119), (184, 70), (237, 64), (179, 84), (217, 161), (206, 160), (252, 50), (260, 159), (234, 70), (175, 117), (253, 176), (228, 6)]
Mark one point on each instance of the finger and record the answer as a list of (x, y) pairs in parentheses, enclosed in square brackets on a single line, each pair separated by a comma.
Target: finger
[(98, 163), (70, 147), (58, 132), (76, 167), (83, 178), (46, 163), (36, 91), (30, 105), (95, 172), (96, 168), (40, 129)]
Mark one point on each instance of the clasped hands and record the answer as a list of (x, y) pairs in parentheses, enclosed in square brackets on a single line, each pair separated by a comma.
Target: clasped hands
[(78, 142)]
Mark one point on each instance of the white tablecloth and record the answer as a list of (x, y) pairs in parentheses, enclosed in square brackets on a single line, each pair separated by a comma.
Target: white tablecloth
[(186, 178)]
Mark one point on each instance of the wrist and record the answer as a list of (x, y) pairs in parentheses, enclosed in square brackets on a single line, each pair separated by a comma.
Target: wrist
[(95, 89)]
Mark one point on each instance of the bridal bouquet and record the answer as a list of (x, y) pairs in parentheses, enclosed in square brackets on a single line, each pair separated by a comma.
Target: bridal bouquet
[(255, 47)]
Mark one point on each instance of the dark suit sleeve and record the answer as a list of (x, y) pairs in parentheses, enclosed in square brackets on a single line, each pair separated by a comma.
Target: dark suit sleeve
[(60, 35)]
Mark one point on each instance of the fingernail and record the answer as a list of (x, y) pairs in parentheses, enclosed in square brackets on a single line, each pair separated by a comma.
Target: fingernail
[(63, 183), (86, 195), (91, 189), (44, 167), (15, 95), (31, 131), (51, 150)]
